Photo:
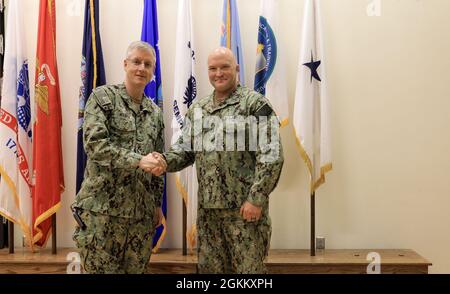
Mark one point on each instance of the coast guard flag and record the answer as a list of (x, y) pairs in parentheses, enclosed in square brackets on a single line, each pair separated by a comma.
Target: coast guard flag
[(154, 91), (270, 72), (311, 114), (92, 75), (185, 91), (15, 127), (47, 152), (231, 36)]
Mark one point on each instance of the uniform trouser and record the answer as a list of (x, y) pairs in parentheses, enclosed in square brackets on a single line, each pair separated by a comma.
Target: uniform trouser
[(230, 244), (114, 244)]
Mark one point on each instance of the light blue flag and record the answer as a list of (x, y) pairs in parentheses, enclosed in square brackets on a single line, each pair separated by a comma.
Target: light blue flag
[(231, 36), (154, 91)]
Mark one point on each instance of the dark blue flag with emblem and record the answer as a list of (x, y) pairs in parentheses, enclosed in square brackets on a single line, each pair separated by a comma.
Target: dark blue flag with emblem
[(92, 75), (154, 91)]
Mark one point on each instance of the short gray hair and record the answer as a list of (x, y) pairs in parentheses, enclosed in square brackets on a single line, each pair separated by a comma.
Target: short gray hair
[(141, 45)]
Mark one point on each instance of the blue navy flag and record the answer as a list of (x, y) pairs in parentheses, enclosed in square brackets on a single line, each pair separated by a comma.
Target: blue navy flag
[(92, 75), (150, 35), (154, 91)]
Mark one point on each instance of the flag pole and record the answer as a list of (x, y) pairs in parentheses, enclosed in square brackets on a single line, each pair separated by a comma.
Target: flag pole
[(313, 224), (54, 233), (11, 237), (184, 228)]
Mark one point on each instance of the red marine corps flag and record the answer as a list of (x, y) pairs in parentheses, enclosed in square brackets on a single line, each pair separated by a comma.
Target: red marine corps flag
[(47, 152)]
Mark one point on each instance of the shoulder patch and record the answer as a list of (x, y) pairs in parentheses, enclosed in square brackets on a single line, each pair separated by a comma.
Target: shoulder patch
[(103, 100), (264, 110)]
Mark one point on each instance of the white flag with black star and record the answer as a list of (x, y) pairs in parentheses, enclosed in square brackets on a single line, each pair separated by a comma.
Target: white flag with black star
[(311, 113)]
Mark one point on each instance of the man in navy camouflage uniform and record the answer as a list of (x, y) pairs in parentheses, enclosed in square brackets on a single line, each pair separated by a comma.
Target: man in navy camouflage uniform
[(119, 204), (233, 222)]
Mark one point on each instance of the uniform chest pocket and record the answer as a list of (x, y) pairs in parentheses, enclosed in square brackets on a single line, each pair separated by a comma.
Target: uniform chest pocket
[(240, 132), (148, 130), (196, 127), (123, 122)]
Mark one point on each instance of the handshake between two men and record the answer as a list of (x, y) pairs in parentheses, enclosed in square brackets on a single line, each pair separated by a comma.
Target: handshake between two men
[(153, 163), (156, 164)]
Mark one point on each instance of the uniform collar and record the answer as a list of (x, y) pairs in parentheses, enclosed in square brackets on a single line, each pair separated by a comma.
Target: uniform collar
[(146, 104), (234, 98)]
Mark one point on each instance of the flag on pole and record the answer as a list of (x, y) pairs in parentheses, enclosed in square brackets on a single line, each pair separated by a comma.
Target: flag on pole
[(2, 43), (3, 221), (15, 127), (231, 36), (311, 113), (270, 72), (185, 91), (47, 152), (92, 75), (154, 91), (150, 35)]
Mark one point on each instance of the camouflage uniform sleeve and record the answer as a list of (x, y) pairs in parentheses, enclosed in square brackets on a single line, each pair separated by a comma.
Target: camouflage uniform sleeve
[(181, 154), (97, 142), (157, 183), (269, 158)]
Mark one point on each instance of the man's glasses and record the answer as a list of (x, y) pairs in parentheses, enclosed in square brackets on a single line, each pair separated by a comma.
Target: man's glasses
[(137, 63)]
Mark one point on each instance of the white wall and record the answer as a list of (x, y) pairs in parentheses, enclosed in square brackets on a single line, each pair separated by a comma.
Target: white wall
[(389, 83)]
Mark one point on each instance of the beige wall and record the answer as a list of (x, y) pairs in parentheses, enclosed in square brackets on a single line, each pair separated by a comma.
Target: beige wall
[(389, 84)]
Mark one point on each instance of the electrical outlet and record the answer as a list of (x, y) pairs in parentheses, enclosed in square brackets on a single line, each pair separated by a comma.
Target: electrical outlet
[(320, 242)]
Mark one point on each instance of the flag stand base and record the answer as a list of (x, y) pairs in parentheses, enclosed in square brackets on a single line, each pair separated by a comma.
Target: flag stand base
[(11, 237), (313, 224), (54, 234)]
